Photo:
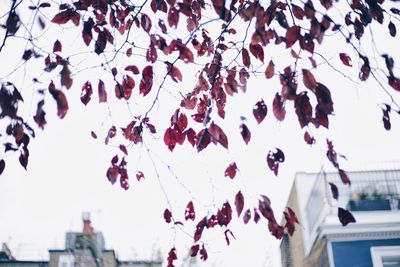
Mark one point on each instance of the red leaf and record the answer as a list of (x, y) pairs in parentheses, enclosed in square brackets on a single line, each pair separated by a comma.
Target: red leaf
[(123, 149), (147, 80), (112, 174), (86, 93), (278, 108), (145, 22), (139, 175), (203, 139), (2, 165), (231, 170), (65, 16), (101, 92), (257, 51), (194, 250), (270, 70), (343, 176), (246, 216), (303, 109), (61, 100), (173, 17), (334, 190), (224, 215), (189, 212), (346, 60), (394, 83), (298, 12), (199, 229), (392, 29), (171, 257), (169, 139), (292, 35), (260, 111), (57, 47), (39, 118), (308, 138), (203, 253), (191, 136), (167, 215), (345, 217), (246, 57), (239, 203), (218, 135), (133, 69), (274, 159), (245, 132), (309, 79), (174, 72)]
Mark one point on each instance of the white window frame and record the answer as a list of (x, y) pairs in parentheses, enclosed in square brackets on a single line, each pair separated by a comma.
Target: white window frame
[(66, 260), (377, 253)]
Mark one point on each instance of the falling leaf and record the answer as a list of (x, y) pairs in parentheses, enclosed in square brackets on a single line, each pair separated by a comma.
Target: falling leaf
[(231, 170), (334, 191), (239, 203), (345, 59)]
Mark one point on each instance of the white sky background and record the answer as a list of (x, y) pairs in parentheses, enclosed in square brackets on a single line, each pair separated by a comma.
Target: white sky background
[(66, 170)]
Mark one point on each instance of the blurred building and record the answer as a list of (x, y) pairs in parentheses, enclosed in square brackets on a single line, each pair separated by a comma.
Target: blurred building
[(82, 249), (321, 241)]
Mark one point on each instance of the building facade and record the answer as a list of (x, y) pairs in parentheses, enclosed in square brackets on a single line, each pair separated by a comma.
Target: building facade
[(321, 241), (82, 249)]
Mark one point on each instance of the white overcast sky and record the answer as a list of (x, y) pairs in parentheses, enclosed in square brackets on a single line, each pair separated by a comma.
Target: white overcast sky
[(66, 170)]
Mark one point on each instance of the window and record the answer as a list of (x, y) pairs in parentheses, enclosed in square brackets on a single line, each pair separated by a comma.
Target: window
[(66, 261), (388, 256)]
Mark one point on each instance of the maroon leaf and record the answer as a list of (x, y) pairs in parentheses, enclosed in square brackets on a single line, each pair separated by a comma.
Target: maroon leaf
[(274, 159), (246, 216), (203, 139), (278, 107), (147, 80), (93, 134), (173, 17), (112, 174), (246, 57), (167, 215), (171, 257), (298, 12), (101, 43), (194, 250), (245, 132), (86, 94), (260, 111), (139, 176), (123, 149), (133, 69), (257, 51), (386, 117), (65, 73), (394, 83), (231, 170), (334, 190), (303, 109), (57, 47), (270, 70), (343, 176), (345, 217), (2, 165), (292, 36), (345, 59), (239, 203), (308, 138), (309, 79), (61, 100), (39, 118), (199, 229), (189, 212), (65, 16), (102, 92), (256, 216), (145, 22), (203, 253), (174, 72), (23, 157)]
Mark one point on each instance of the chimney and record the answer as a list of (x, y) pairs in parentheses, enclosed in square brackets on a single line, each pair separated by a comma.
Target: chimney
[(87, 224)]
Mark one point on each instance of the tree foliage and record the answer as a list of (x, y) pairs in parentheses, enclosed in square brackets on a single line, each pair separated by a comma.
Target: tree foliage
[(141, 46)]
